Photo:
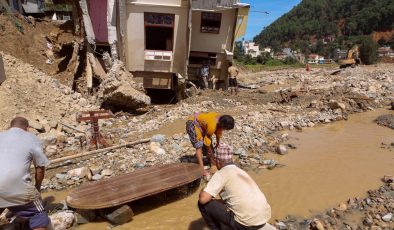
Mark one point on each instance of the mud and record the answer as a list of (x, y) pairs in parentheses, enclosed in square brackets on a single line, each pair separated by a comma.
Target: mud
[(331, 164)]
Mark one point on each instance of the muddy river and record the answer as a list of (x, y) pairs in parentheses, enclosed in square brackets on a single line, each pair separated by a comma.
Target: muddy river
[(331, 164)]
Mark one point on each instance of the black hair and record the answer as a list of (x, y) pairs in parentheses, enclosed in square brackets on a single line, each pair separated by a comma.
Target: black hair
[(226, 122)]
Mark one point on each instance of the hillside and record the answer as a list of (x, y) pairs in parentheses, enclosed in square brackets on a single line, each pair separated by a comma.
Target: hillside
[(312, 20)]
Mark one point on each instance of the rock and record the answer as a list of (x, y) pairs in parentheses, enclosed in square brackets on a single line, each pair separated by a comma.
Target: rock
[(158, 138), (282, 149), (84, 216), (51, 150), (387, 217), (281, 225), (388, 179), (36, 125), (341, 207), (247, 129), (62, 220), (80, 173), (119, 90), (97, 177), (61, 176), (336, 105), (240, 151), (107, 172), (47, 138), (95, 169), (120, 215), (83, 102), (316, 225), (155, 148)]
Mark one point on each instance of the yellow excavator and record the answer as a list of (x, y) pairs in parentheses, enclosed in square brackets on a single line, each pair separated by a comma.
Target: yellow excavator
[(352, 58)]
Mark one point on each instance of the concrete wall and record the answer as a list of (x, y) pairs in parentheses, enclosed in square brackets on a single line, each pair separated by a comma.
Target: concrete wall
[(135, 36), (207, 42), (160, 2), (98, 17)]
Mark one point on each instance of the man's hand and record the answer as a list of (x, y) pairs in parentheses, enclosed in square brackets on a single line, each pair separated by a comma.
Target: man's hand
[(39, 176)]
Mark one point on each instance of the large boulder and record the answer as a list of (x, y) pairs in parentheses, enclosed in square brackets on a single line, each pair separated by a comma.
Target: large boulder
[(119, 90)]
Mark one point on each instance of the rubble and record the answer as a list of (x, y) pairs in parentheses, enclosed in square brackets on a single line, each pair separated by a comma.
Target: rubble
[(118, 90)]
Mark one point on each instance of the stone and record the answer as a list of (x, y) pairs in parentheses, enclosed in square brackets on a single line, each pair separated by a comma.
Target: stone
[(107, 172), (97, 177), (240, 151), (120, 215), (387, 217), (47, 138), (95, 169), (62, 220), (61, 176), (281, 225), (282, 149), (341, 207), (316, 225), (51, 150), (155, 148), (158, 138), (388, 179), (36, 125), (247, 129), (80, 173), (84, 216), (119, 90)]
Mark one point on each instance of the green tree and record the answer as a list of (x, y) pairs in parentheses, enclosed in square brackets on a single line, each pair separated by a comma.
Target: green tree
[(368, 51)]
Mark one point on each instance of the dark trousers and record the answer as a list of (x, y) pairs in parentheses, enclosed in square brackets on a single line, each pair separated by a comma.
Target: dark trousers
[(217, 217)]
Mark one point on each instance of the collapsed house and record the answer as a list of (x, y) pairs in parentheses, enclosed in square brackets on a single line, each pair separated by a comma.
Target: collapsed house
[(168, 40)]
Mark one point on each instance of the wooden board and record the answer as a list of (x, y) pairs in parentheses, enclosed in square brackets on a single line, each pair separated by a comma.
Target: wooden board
[(133, 186), (2, 71)]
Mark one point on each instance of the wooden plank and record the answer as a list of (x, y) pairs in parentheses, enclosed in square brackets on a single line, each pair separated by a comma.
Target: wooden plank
[(2, 70), (133, 186)]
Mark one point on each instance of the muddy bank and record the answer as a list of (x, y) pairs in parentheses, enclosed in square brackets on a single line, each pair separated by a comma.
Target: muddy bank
[(386, 120)]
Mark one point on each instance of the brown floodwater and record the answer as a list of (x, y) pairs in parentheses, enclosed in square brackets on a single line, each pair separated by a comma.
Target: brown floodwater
[(332, 163)]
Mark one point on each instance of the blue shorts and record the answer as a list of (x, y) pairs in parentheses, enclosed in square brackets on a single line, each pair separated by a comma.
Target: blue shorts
[(34, 212)]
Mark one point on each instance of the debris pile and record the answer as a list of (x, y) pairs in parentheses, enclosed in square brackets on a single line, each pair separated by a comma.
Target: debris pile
[(118, 90)]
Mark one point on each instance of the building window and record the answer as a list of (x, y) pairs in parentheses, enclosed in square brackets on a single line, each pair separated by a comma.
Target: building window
[(159, 31), (210, 22)]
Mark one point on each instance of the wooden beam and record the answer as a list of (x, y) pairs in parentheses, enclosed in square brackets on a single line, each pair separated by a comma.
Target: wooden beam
[(99, 151)]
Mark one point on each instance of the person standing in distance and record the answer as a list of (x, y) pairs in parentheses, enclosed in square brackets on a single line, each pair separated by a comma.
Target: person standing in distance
[(233, 73)]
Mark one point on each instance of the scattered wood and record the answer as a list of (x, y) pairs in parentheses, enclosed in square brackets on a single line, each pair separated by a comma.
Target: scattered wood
[(99, 151), (2, 71), (361, 98), (278, 110)]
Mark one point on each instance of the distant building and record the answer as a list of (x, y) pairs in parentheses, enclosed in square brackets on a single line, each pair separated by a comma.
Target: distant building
[(250, 48), (313, 58), (386, 52), (267, 50), (280, 56)]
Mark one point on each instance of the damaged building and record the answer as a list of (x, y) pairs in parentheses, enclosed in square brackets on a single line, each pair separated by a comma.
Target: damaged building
[(169, 40)]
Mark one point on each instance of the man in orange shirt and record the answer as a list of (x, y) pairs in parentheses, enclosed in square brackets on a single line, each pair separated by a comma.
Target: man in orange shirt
[(201, 127)]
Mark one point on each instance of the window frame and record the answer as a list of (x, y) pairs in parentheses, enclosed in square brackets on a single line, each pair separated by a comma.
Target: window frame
[(211, 31), (159, 25)]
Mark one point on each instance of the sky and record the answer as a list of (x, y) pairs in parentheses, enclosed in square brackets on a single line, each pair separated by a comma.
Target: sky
[(257, 21)]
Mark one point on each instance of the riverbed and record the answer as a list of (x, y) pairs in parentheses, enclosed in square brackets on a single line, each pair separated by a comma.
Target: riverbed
[(331, 163)]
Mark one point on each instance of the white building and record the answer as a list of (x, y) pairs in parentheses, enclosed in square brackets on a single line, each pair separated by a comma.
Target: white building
[(251, 48)]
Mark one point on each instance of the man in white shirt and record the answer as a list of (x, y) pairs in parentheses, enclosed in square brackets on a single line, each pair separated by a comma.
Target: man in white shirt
[(243, 205), (18, 149)]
